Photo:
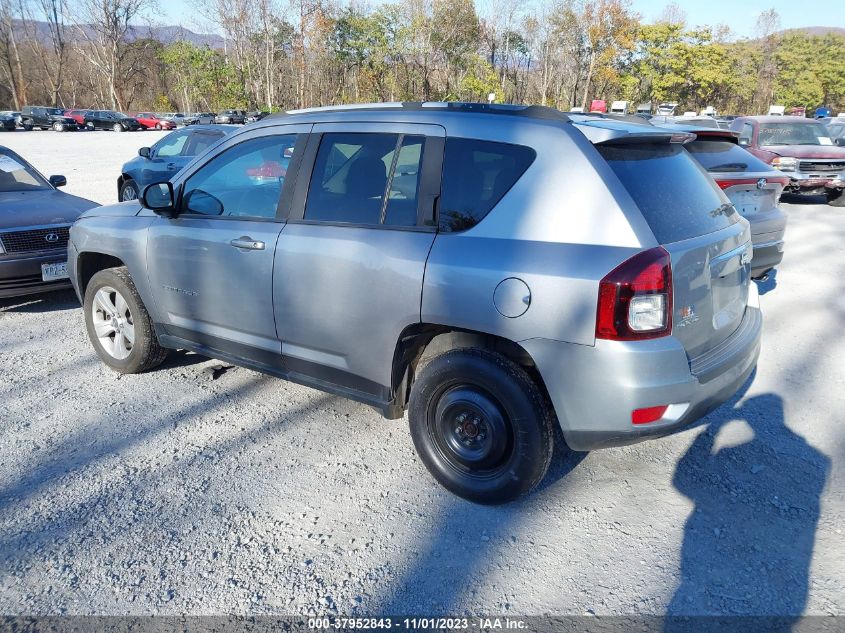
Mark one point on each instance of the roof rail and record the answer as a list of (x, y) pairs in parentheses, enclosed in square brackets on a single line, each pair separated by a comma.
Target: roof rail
[(530, 111)]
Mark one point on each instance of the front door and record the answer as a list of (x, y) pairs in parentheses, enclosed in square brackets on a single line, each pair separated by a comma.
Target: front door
[(350, 262), (212, 265)]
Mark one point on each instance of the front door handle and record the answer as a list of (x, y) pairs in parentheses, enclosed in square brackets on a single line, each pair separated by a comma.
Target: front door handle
[(247, 243), (171, 166)]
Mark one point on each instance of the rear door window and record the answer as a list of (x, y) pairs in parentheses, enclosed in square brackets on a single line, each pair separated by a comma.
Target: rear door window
[(724, 156), (675, 195), (476, 175), (366, 178)]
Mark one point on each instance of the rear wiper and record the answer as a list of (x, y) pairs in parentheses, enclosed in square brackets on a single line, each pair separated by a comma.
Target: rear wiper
[(739, 166)]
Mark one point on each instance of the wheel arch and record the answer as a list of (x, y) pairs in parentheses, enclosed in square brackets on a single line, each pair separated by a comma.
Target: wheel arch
[(420, 342), (89, 263)]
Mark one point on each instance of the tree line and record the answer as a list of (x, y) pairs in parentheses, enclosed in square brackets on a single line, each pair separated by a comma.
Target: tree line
[(282, 54)]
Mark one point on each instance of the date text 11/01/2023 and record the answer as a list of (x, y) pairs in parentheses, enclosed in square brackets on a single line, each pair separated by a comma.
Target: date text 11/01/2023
[(416, 624)]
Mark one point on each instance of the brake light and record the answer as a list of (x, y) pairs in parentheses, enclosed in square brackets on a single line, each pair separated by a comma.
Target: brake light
[(725, 183), (635, 298), (649, 414)]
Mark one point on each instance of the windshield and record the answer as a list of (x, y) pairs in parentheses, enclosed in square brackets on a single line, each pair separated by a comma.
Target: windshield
[(17, 175), (794, 134)]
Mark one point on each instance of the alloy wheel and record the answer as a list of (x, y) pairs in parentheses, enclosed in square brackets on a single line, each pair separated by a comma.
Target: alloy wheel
[(113, 322)]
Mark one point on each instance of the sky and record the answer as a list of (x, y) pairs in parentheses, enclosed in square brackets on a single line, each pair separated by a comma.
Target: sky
[(739, 15)]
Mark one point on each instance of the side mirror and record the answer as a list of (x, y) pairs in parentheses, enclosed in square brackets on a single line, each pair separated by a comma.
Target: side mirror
[(58, 181), (744, 142), (159, 198), (840, 141), (144, 152)]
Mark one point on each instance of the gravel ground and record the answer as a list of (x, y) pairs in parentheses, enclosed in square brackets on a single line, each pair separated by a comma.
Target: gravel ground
[(190, 490)]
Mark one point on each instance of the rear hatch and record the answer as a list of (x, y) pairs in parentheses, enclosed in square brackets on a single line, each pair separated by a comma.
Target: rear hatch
[(709, 243), (751, 185)]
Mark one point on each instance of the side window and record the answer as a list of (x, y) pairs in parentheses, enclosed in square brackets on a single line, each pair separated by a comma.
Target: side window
[(244, 181), (746, 134), (476, 174), (172, 145), (200, 141), (366, 179)]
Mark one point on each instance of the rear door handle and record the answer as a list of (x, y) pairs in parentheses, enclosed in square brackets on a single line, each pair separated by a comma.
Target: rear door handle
[(247, 243)]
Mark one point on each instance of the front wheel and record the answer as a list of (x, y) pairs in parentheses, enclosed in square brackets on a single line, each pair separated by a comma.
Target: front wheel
[(118, 323), (128, 191), (117, 127), (58, 127), (836, 197), (481, 425)]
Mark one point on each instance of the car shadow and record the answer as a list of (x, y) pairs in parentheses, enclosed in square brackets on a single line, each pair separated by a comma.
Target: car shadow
[(47, 302), (794, 198), (748, 542)]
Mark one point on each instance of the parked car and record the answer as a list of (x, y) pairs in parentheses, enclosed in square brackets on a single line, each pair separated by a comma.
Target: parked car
[(111, 120), (45, 118), (252, 117), (800, 148), (752, 186), (231, 116), (177, 118), (164, 159), (7, 122), (77, 115), (15, 115), (150, 120), (200, 118), (482, 311), (34, 227)]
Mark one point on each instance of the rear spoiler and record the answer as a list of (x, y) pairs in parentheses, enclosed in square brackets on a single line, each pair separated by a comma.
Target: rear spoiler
[(612, 132)]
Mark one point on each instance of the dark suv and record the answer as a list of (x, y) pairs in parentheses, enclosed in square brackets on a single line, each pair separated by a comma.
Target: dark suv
[(493, 270), (44, 118)]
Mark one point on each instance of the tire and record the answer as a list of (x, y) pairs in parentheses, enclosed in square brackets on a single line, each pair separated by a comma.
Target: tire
[(128, 191), (117, 127), (27, 127), (58, 127), (158, 126), (481, 425), (111, 292), (836, 198)]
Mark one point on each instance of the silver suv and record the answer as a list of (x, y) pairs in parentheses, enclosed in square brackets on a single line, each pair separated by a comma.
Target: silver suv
[(494, 270)]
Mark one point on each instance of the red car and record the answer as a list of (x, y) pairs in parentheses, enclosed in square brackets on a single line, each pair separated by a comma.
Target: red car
[(150, 120), (77, 115), (801, 148)]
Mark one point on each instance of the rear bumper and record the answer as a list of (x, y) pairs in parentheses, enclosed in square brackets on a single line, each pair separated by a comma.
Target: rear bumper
[(594, 389), (22, 275), (767, 255)]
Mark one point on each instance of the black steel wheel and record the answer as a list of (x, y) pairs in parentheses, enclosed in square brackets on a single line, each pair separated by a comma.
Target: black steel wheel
[(481, 425)]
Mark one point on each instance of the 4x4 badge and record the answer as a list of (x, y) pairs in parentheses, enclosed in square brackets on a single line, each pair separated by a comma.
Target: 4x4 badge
[(688, 316)]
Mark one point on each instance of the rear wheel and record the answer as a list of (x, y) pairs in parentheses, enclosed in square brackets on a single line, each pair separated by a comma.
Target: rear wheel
[(836, 198), (117, 127), (128, 190), (158, 126), (118, 323), (481, 425), (58, 127)]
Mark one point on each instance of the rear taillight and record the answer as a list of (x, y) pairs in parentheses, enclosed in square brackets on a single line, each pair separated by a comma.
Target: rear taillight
[(725, 183), (635, 298)]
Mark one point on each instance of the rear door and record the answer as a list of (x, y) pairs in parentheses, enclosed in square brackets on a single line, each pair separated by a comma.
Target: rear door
[(709, 243), (350, 261)]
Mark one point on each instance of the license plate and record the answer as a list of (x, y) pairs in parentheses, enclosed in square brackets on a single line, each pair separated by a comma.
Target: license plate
[(54, 271)]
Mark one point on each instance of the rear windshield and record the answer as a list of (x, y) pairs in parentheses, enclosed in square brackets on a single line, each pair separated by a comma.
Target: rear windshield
[(674, 194), (724, 156)]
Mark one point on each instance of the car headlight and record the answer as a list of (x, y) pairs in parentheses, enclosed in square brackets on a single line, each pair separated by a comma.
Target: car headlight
[(785, 163)]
